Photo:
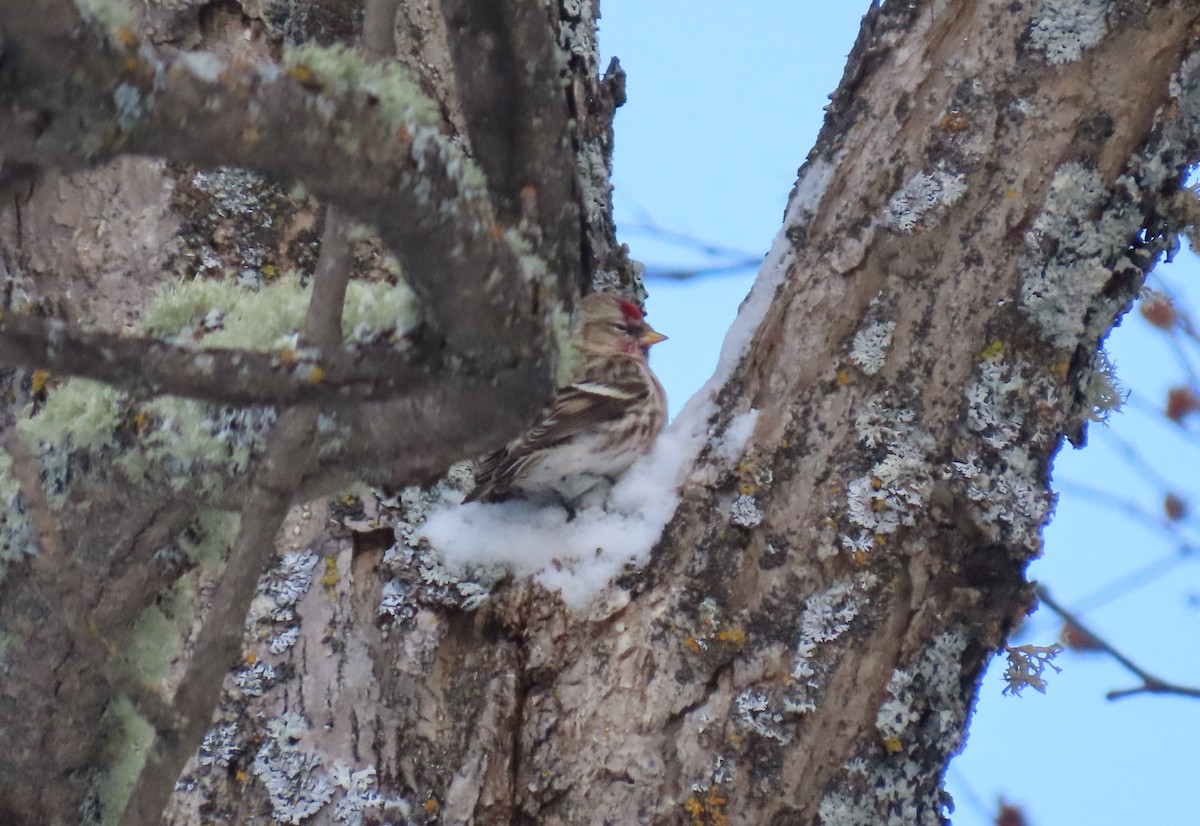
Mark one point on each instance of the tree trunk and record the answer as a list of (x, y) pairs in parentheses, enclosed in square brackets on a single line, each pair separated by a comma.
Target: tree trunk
[(859, 487)]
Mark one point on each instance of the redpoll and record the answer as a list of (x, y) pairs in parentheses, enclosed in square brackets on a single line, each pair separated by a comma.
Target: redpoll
[(609, 414)]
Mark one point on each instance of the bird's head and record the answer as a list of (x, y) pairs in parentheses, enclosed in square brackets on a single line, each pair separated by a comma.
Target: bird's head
[(608, 325)]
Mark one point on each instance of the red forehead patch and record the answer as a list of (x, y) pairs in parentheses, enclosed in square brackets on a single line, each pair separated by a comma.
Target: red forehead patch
[(630, 310)]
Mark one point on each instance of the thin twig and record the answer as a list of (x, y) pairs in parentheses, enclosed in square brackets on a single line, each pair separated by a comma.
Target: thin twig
[(730, 260), (1114, 501), (1150, 683), (650, 228), (1182, 355), (1137, 461), (685, 274)]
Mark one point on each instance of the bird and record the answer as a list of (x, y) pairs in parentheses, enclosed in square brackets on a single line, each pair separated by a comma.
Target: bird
[(597, 424)]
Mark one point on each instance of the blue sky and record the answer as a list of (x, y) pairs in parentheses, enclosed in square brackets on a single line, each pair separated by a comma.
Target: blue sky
[(725, 101)]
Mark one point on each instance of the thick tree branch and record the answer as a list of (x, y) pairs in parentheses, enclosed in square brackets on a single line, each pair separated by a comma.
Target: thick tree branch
[(230, 376), (509, 75), (371, 143)]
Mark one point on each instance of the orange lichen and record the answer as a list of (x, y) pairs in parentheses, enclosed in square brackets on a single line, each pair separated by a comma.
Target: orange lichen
[(331, 577), (735, 636), (953, 122), (37, 382), (303, 75), (706, 812)]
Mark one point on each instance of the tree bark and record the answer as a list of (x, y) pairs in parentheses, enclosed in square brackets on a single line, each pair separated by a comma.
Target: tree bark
[(860, 486)]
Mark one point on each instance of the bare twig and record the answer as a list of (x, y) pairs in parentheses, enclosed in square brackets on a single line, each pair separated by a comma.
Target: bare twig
[(688, 273), (725, 260), (1150, 683), (648, 227), (1124, 504), (1137, 461)]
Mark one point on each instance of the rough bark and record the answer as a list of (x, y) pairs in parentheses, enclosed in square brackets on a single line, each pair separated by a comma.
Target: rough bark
[(992, 183)]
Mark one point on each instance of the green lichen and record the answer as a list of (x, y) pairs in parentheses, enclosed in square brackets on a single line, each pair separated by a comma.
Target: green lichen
[(112, 14), (1100, 388), (81, 413), (155, 641), (129, 740), (343, 72), (184, 442), (199, 445), (150, 649), (223, 314), (208, 545)]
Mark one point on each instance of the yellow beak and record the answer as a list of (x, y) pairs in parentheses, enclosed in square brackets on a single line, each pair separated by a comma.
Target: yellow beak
[(651, 337)]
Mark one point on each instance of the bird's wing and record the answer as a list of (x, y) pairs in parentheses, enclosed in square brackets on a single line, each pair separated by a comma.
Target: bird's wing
[(578, 407), (606, 393)]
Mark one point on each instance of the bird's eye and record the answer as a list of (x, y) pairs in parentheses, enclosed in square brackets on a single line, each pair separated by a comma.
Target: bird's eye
[(625, 328)]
